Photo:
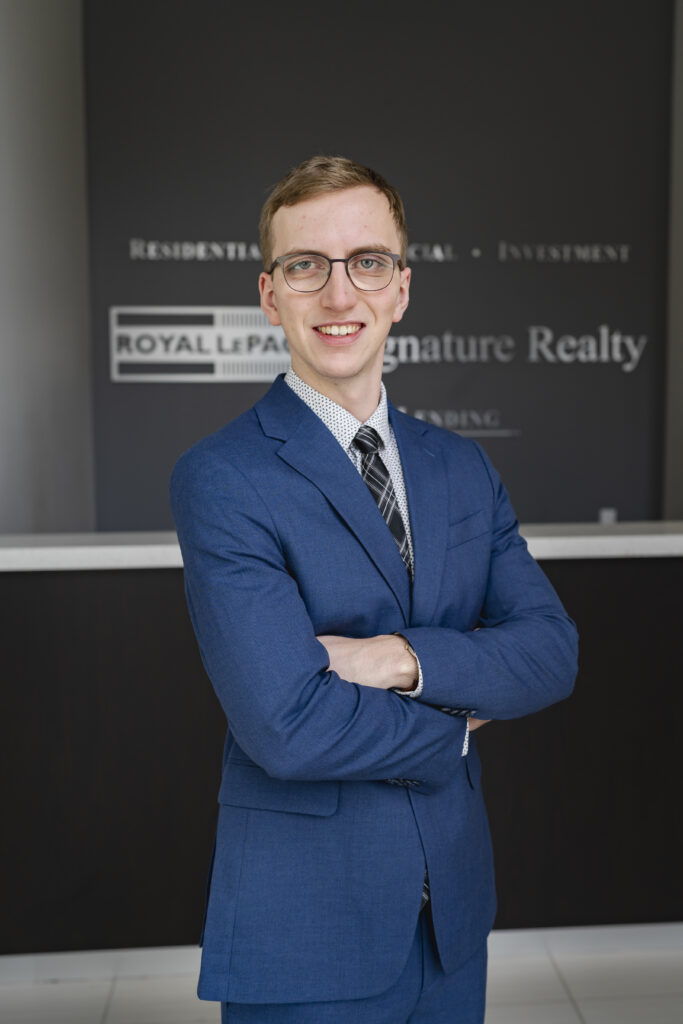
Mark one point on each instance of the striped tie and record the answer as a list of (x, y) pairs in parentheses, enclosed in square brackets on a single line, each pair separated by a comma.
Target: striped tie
[(376, 476)]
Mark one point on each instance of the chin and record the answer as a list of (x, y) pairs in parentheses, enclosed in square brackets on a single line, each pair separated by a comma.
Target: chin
[(341, 369)]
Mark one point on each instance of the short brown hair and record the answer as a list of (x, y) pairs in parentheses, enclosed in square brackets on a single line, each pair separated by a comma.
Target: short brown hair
[(326, 174)]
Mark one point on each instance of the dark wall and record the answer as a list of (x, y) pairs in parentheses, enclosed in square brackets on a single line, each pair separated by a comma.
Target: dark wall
[(111, 747), (530, 142)]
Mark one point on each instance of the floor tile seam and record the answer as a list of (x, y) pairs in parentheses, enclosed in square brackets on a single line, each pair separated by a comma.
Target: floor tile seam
[(631, 997), (644, 949), (565, 985), (107, 1004), (535, 960), (644, 953), (57, 982), (155, 977), (542, 1001), (61, 981), (676, 992)]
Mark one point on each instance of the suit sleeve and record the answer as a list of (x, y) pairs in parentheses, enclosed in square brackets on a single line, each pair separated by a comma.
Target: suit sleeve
[(288, 712), (524, 655)]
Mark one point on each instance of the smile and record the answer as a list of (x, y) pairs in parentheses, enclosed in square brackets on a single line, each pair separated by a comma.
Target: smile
[(337, 330)]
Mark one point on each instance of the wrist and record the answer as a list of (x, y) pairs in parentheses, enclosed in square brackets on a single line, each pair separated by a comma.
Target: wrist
[(409, 666)]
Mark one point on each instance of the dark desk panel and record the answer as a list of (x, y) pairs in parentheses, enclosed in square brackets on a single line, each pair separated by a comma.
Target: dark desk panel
[(111, 747), (584, 797)]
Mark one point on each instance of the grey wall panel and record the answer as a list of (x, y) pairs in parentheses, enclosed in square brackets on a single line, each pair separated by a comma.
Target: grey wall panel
[(531, 144), (46, 446), (673, 491)]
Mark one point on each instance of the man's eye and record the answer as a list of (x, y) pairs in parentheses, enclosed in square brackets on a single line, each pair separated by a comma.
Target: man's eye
[(371, 262), (304, 265)]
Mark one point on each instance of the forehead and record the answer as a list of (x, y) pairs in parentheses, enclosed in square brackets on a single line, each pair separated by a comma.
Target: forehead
[(336, 223)]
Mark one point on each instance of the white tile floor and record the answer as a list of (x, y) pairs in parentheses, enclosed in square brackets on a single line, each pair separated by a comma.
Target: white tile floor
[(616, 975)]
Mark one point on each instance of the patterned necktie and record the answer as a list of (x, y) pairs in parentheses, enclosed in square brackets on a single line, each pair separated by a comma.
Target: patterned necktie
[(376, 476)]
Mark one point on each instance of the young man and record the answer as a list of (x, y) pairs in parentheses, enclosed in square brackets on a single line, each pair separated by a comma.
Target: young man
[(362, 601)]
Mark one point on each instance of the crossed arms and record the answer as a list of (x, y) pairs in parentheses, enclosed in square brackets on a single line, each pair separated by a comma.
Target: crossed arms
[(380, 661), (296, 706)]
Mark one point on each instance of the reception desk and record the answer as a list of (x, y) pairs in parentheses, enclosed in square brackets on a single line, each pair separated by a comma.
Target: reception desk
[(111, 744), (50, 552)]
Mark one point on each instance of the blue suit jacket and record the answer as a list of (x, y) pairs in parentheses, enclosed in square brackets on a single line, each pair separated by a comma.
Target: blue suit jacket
[(318, 867)]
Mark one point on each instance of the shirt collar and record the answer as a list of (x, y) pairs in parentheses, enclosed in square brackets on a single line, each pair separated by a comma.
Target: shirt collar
[(338, 420)]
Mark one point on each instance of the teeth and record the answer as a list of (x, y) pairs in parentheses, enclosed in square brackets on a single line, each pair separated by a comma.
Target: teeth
[(339, 329)]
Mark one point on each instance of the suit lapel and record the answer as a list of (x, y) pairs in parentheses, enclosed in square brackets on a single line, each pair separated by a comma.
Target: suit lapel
[(427, 491), (310, 449)]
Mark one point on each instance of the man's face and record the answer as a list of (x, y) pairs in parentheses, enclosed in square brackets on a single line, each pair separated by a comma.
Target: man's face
[(335, 224)]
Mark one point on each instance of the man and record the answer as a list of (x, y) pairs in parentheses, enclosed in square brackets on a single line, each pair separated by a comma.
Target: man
[(353, 575)]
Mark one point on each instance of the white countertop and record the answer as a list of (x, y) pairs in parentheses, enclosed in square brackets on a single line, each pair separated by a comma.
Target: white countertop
[(42, 552)]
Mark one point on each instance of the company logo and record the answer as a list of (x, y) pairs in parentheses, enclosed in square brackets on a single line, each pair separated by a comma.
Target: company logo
[(542, 345), (155, 249), (526, 252), (468, 422), (237, 343), (194, 344), (211, 250), (563, 252)]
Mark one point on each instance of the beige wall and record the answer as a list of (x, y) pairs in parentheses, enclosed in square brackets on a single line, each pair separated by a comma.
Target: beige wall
[(46, 460)]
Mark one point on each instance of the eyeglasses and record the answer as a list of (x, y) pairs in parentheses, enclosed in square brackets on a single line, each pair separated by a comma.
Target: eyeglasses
[(309, 272)]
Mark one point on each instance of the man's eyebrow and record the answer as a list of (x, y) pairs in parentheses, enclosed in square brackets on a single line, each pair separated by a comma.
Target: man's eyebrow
[(301, 252), (377, 247)]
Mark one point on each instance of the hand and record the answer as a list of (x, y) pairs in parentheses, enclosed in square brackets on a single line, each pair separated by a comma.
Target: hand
[(379, 661)]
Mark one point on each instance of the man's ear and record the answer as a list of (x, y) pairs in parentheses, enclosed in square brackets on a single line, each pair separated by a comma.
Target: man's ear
[(403, 296), (268, 302)]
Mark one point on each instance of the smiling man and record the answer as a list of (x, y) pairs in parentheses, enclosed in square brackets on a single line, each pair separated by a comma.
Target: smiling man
[(336, 314), (362, 601)]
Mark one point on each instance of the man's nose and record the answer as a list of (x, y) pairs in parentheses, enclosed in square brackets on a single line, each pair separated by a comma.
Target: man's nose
[(338, 293)]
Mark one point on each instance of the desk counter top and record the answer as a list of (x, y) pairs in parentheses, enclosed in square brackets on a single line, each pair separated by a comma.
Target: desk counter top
[(64, 551)]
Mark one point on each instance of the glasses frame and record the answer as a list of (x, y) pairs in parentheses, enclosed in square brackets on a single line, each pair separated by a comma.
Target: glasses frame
[(395, 257)]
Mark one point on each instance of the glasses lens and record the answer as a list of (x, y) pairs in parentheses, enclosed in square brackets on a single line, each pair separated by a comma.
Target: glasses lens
[(371, 270), (306, 272)]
